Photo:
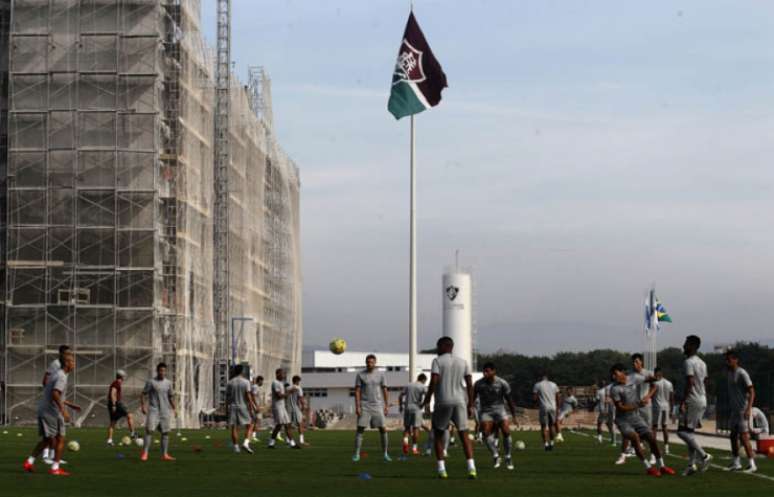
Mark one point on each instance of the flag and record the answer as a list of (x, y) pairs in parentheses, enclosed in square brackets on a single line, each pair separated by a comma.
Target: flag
[(655, 313), (418, 79), (661, 313)]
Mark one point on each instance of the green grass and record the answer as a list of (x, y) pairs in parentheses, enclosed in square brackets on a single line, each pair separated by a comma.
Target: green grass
[(577, 467)]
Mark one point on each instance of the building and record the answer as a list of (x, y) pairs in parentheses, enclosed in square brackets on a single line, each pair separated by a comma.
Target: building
[(108, 206)]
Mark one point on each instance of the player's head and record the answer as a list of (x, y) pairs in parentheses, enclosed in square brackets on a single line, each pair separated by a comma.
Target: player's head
[(161, 370), (120, 375), (370, 362), (62, 350), (543, 374), (570, 391), (489, 370), (601, 383), (296, 379), (422, 378), (732, 359), (691, 345), (445, 345), (259, 380), (279, 374), (658, 373), (237, 370), (68, 361), (637, 361), (618, 374)]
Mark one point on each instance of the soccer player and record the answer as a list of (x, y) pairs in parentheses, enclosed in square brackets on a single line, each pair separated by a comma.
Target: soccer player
[(741, 395), (569, 403), (642, 380), (546, 395), (693, 405), (371, 401), (494, 393), (240, 403), (259, 397), (116, 408), (663, 400), (279, 411), (604, 416), (448, 375), (157, 402), (52, 416), (759, 425), (411, 404), (296, 404), (628, 406), (56, 365)]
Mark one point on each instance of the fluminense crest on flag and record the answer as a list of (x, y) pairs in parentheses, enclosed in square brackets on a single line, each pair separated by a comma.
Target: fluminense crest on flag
[(418, 79)]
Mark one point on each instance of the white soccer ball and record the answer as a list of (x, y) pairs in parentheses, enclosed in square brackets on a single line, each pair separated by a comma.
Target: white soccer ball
[(520, 445), (338, 345), (74, 446), (183, 439), (139, 441), (126, 441)]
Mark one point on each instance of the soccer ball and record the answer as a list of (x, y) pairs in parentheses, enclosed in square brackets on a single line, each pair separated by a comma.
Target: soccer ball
[(183, 439), (139, 441), (338, 346), (126, 441), (74, 446), (520, 445)]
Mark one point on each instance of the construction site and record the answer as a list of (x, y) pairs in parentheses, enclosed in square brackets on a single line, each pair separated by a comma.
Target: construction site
[(149, 212)]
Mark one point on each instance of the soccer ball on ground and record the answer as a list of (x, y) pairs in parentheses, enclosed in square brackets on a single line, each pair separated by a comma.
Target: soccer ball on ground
[(74, 446), (338, 345), (139, 441), (126, 441), (520, 445)]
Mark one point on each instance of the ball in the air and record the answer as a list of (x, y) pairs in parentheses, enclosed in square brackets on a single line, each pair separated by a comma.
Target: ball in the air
[(126, 441), (73, 446), (139, 441), (520, 445), (338, 345)]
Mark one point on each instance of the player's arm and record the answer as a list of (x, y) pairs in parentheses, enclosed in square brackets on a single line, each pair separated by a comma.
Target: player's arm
[(651, 392), (45, 378), (401, 400), (302, 402), (469, 388), (60, 404), (430, 390), (72, 406), (143, 402), (511, 405), (386, 395), (358, 396), (750, 401), (171, 397)]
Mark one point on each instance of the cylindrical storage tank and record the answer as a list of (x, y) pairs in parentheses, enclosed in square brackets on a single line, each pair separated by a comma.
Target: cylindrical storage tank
[(457, 312)]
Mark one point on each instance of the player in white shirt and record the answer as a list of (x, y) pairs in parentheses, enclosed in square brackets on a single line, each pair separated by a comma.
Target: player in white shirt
[(569, 404), (605, 413), (759, 425), (741, 395), (53, 368), (663, 400), (693, 405), (546, 396), (259, 397)]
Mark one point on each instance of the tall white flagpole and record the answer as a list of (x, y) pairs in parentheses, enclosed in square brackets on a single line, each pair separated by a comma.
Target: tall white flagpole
[(413, 265)]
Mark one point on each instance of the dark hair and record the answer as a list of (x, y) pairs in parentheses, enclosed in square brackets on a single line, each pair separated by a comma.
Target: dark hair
[(489, 365), (422, 377), (161, 365), (693, 340), (259, 378), (63, 349), (657, 370), (617, 367), (370, 356), (278, 370), (732, 353), (236, 370), (296, 379), (444, 341), (637, 356)]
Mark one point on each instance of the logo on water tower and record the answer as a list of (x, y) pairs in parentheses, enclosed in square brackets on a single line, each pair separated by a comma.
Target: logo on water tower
[(451, 292)]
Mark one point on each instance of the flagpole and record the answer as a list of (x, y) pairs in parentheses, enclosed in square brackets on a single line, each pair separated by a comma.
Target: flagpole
[(413, 264)]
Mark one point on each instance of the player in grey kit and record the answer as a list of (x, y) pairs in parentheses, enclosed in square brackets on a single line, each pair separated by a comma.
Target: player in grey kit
[(663, 400), (157, 402), (448, 375), (642, 381), (741, 396), (240, 404), (605, 414), (371, 401), (546, 395), (693, 406), (279, 410), (494, 394), (296, 404), (56, 365), (411, 404)]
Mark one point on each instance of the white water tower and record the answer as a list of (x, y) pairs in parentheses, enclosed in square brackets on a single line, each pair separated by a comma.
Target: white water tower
[(458, 311)]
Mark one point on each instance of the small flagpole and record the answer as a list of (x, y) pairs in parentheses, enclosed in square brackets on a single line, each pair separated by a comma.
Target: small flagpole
[(413, 265)]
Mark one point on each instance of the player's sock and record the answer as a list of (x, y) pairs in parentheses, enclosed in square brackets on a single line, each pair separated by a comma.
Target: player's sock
[(45, 453), (292, 442), (471, 465), (55, 466), (164, 443), (237, 450), (31, 460), (110, 441), (666, 448), (147, 442), (660, 462), (301, 438), (646, 463), (489, 441), (751, 463), (358, 442), (441, 466), (385, 441), (507, 444), (272, 441)]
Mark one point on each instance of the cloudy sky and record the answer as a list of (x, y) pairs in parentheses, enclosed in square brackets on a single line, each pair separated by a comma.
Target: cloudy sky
[(582, 151)]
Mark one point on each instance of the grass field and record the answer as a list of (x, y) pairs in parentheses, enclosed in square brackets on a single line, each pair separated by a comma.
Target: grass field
[(578, 467)]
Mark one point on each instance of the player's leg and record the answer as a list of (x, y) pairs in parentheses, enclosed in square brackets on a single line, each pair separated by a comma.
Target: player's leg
[(165, 425), (111, 427), (650, 438), (384, 441), (301, 430), (235, 437), (130, 424), (751, 466), (665, 430), (460, 420), (505, 428), (440, 426), (551, 415), (487, 425), (358, 442), (289, 433), (42, 444), (151, 425)]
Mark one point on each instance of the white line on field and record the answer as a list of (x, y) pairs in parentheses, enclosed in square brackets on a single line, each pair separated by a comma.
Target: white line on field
[(757, 475)]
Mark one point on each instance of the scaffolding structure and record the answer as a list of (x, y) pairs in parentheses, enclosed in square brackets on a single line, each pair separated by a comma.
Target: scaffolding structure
[(108, 203)]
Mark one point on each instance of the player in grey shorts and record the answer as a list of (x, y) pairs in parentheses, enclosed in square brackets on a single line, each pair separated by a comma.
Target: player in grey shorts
[(240, 406), (52, 416), (453, 402), (371, 401), (628, 402), (741, 395), (642, 381), (279, 411), (494, 394), (411, 405), (296, 404), (693, 406), (546, 396), (663, 400), (259, 398), (157, 402), (604, 415), (56, 365)]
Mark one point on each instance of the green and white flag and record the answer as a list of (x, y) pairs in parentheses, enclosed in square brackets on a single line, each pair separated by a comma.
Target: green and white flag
[(418, 78)]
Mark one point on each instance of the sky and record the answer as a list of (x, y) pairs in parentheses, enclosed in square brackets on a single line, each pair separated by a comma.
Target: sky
[(582, 152)]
